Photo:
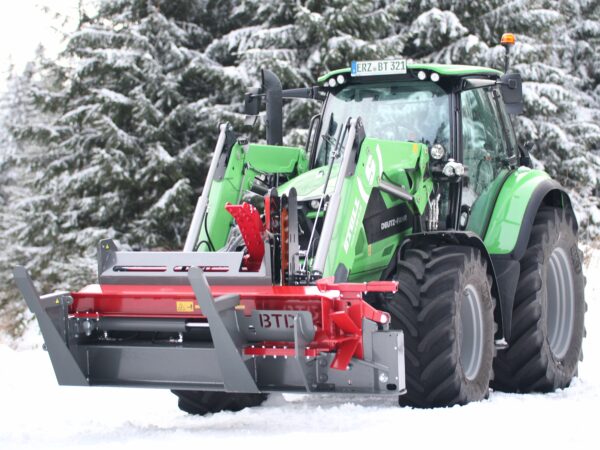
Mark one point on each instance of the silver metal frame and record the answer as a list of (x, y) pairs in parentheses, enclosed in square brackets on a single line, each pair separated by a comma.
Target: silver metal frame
[(334, 203), (113, 267), (220, 365), (200, 211)]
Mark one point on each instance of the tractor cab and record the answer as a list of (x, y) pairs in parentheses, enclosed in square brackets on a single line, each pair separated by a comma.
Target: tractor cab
[(414, 103)]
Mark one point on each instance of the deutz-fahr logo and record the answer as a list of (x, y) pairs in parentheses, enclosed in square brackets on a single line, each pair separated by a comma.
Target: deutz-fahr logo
[(393, 222)]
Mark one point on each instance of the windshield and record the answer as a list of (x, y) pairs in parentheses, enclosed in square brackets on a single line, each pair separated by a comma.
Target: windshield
[(402, 111)]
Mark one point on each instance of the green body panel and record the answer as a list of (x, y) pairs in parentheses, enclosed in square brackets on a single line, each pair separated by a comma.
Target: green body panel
[(371, 260), (510, 207), (228, 189), (276, 159), (333, 73), (455, 69), (403, 163), (243, 166), (396, 157), (442, 69), (483, 207), (309, 184)]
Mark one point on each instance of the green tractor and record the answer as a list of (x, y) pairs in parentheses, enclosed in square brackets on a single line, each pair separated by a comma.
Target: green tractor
[(409, 249)]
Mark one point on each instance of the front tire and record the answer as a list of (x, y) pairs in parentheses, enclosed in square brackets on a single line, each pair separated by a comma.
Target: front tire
[(445, 307), (205, 402), (548, 312)]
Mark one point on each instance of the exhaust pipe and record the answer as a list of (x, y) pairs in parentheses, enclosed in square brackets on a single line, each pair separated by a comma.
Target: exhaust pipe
[(271, 86)]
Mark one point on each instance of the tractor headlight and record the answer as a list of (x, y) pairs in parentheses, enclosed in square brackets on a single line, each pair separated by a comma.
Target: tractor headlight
[(437, 151), (421, 75), (332, 83), (453, 169), (448, 170), (435, 77), (340, 79), (314, 204)]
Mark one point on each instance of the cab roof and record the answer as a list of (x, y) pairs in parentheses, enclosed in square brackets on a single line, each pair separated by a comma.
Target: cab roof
[(442, 69)]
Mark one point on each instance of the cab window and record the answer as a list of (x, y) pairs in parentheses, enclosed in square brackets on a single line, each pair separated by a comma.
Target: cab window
[(484, 146), (485, 157), (397, 111), (505, 117)]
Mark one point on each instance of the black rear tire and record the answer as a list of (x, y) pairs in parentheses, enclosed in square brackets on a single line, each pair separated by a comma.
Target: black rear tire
[(548, 312), (205, 402), (445, 308)]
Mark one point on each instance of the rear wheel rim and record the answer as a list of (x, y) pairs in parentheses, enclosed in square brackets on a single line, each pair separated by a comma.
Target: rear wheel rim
[(560, 292), (471, 332)]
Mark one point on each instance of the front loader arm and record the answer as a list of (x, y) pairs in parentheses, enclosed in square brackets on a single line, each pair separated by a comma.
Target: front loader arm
[(236, 165), (362, 237), (228, 187)]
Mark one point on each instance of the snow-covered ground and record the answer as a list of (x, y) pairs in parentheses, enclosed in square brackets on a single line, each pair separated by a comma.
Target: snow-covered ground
[(36, 413)]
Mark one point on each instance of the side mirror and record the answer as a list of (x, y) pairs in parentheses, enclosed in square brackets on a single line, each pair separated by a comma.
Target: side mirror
[(524, 152), (252, 103), (511, 86)]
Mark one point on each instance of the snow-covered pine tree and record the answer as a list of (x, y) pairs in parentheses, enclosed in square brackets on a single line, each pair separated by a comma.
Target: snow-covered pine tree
[(299, 41), (15, 189), (128, 121)]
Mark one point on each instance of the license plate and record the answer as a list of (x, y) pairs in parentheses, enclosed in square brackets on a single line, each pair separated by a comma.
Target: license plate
[(381, 67)]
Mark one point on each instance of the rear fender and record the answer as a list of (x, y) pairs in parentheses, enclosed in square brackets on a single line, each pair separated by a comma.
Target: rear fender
[(524, 192), (518, 202)]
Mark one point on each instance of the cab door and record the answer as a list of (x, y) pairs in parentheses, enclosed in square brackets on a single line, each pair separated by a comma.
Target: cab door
[(488, 154)]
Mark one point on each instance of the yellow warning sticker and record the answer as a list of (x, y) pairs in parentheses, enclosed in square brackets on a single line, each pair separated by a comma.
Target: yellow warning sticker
[(185, 306)]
